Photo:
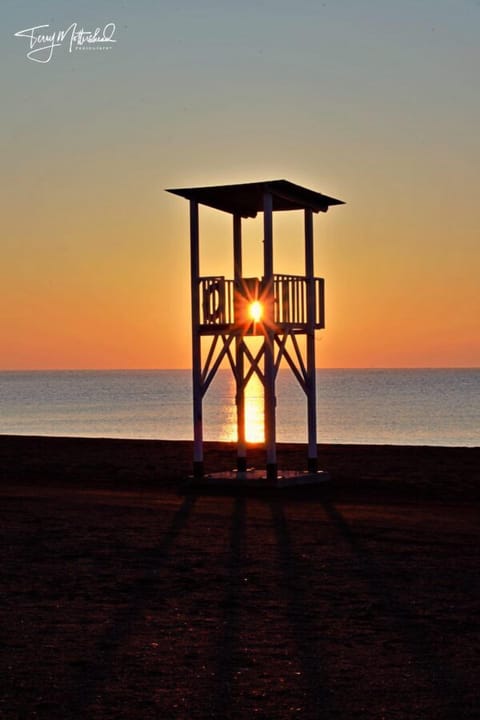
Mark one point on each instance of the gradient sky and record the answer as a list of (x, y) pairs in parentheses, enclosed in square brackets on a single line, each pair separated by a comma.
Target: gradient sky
[(373, 102)]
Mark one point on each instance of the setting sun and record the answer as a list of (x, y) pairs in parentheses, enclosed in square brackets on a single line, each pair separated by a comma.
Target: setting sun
[(255, 310)]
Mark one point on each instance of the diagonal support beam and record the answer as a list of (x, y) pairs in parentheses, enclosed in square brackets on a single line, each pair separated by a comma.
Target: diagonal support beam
[(209, 359), (231, 358), (293, 367), (254, 365), (222, 353), (299, 358), (281, 351)]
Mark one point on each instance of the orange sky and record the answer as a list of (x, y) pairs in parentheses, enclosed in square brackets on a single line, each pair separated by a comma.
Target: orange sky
[(125, 304)]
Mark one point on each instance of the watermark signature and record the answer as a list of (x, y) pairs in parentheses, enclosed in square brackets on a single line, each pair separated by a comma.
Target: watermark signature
[(42, 41)]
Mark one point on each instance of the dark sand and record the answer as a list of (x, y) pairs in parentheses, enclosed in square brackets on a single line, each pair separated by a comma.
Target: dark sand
[(123, 598)]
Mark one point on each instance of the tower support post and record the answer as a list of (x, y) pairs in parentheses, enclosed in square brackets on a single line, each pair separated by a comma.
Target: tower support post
[(239, 354), (269, 345), (198, 468), (312, 456)]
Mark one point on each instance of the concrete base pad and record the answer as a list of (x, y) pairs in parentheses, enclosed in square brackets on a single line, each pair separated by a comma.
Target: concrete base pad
[(257, 479)]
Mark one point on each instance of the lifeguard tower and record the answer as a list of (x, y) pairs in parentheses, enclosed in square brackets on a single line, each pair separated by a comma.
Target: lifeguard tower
[(279, 308)]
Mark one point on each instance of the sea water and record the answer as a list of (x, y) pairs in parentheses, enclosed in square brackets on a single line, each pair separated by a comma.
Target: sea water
[(414, 407)]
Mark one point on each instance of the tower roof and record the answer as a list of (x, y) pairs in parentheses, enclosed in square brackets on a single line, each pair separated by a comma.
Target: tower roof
[(246, 199)]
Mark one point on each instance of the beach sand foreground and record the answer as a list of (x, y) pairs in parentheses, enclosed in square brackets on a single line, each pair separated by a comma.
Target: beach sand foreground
[(124, 598)]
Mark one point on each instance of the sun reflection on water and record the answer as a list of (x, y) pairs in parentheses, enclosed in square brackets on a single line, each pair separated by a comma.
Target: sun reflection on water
[(254, 421)]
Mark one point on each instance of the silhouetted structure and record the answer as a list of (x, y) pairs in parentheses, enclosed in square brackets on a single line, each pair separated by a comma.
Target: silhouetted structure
[(277, 307)]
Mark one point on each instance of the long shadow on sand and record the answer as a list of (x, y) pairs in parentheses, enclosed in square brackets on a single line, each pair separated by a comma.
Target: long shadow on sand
[(91, 677), (226, 664), (319, 699), (418, 639)]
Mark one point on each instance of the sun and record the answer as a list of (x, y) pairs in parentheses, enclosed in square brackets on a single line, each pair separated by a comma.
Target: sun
[(255, 310)]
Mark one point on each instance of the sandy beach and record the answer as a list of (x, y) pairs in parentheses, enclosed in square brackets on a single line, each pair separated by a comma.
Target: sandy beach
[(123, 596)]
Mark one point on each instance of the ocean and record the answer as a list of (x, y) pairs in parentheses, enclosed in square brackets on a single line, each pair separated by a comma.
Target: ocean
[(399, 407)]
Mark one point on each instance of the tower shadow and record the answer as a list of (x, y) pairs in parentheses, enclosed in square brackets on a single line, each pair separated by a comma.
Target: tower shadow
[(229, 639), (319, 701), (92, 675), (418, 639)]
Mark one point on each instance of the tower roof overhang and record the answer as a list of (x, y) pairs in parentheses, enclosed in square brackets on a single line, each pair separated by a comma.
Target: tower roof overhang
[(246, 199)]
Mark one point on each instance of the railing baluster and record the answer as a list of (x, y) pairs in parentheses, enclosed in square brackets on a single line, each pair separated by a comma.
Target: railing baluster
[(297, 299), (291, 300), (303, 302)]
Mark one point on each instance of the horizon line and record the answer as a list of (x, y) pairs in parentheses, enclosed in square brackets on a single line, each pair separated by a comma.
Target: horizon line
[(188, 369)]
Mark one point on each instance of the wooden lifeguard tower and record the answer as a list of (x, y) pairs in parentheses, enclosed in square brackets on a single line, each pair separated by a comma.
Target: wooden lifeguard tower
[(278, 307)]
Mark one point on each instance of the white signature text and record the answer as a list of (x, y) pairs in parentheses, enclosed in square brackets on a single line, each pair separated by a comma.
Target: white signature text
[(42, 41)]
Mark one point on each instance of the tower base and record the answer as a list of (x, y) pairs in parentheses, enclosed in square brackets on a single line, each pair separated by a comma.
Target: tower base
[(253, 479)]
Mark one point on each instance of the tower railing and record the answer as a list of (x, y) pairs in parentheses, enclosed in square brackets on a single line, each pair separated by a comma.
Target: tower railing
[(290, 292), (217, 303)]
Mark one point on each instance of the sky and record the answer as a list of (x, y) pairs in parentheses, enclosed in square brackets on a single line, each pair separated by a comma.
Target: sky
[(374, 102)]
